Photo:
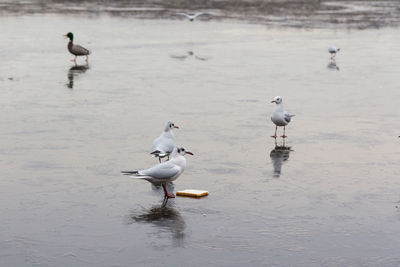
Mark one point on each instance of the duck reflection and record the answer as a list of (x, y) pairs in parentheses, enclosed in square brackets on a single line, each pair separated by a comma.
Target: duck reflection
[(332, 65), (189, 54), (278, 156), (164, 218), (75, 71)]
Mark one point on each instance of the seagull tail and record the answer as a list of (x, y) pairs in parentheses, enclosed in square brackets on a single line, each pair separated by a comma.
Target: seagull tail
[(129, 172), (155, 152), (158, 153)]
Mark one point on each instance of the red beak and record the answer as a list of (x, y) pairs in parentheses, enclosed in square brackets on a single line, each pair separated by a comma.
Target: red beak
[(176, 127), (273, 101), (190, 153)]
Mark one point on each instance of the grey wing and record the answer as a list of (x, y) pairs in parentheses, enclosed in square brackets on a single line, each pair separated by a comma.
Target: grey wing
[(198, 14), (79, 50), (287, 117), (164, 170), (184, 14), (163, 145)]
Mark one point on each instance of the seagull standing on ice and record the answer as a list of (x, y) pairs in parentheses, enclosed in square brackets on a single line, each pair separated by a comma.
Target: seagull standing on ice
[(191, 17), (165, 143), (279, 116), (164, 172), (333, 50)]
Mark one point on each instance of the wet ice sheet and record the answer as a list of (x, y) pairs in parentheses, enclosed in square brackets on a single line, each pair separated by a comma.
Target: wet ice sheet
[(63, 202)]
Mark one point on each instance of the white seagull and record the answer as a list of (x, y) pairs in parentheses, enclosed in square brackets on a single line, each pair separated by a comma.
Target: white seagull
[(165, 143), (191, 17), (333, 50), (164, 172), (279, 116)]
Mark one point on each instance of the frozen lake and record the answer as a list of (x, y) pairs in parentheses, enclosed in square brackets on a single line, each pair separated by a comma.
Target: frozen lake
[(67, 131)]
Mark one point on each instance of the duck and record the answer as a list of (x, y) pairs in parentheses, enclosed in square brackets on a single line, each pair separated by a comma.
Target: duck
[(75, 49)]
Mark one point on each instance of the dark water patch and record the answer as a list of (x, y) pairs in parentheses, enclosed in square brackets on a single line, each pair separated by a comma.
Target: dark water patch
[(294, 13)]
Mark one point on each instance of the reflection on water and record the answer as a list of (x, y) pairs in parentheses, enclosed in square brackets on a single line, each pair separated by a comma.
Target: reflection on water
[(164, 218), (278, 156), (74, 71), (332, 65), (189, 54)]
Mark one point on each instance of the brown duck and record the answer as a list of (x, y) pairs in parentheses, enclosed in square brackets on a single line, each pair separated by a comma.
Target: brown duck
[(76, 50)]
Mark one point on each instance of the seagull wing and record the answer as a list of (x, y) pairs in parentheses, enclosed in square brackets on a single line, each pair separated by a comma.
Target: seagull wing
[(163, 171), (184, 14), (287, 116), (198, 14), (163, 145)]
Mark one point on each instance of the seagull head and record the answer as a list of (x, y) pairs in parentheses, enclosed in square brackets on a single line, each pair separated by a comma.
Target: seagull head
[(182, 151), (69, 35), (277, 100), (169, 126)]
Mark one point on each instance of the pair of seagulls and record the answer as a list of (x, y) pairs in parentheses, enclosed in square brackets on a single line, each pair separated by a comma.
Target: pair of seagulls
[(167, 171)]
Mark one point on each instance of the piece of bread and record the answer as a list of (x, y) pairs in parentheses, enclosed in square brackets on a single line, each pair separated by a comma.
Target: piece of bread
[(192, 193)]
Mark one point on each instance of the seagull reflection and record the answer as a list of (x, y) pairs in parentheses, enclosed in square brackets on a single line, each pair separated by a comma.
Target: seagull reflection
[(189, 54), (332, 65), (163, 217), (278, 156), (75, 71)]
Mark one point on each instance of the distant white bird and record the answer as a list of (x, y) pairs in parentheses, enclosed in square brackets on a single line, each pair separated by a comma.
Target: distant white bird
[(333, 50), (165, 143), (279, 116), (164, 172), (192, 17)]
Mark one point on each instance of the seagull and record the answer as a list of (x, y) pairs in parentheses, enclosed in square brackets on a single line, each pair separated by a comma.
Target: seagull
[(333, 50), (164, 172), (165, 143), (279, 116), (191, 17), (76, 50)]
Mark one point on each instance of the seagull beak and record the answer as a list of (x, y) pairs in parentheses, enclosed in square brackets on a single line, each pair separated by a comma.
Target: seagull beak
[(273, 101), (175, 126), (190, 153)]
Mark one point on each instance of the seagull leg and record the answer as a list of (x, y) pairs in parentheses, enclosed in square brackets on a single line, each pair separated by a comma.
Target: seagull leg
[(87, 59), (276, 128), (166, 194), (284, 136), (159, 159), (74, 60)]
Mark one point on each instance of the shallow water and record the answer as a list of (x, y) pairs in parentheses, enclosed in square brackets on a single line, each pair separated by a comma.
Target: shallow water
[(68, 131)]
